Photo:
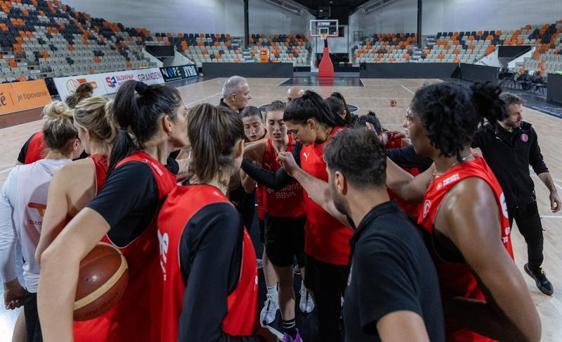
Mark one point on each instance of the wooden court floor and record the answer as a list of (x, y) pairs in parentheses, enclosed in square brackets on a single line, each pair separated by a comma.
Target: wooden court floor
[(376, 95)]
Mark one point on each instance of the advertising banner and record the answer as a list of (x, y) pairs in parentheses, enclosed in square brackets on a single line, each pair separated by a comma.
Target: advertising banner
[(18, 96), (174, 73)]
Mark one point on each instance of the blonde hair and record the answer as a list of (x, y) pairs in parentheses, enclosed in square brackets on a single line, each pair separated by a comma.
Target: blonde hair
[(94, 114), (58, 128)]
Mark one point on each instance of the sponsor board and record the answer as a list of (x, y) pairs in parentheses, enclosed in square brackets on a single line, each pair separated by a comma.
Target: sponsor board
[(18, 96), (107, 83), (180, 72)]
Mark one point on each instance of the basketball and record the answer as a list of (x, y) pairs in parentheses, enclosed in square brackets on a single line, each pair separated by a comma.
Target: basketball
[(392, 103), (102, 281)]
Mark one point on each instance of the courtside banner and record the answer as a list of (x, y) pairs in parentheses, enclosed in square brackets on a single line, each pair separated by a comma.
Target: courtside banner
[(18, 96), (180, 72), (107, 83)]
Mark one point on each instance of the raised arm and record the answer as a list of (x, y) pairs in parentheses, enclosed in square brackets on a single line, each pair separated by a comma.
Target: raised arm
[(316, 189), (405, 185), (469, 218)]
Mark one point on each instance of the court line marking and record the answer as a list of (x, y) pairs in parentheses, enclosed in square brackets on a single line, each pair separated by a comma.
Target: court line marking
[(552, 216), (407, 89), (203, 99), (6, 170)]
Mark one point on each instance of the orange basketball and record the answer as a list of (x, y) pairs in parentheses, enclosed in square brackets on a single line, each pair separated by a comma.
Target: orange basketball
[(102, 281)]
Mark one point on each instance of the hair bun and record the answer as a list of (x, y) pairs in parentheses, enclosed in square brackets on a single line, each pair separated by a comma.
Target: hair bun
[(57, 110), (141, 88)]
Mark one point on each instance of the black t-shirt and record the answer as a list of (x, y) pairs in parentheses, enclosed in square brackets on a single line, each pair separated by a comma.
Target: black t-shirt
[(210, 259), (406, 157), (509, 155), (129, 200), (391, 270)]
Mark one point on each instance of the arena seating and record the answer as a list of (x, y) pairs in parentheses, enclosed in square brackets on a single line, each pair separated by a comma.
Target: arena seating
[(282, 48), (466, 47), (48, 39)]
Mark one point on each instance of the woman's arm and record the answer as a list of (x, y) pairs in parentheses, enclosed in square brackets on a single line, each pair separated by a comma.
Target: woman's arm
[(59, 273)]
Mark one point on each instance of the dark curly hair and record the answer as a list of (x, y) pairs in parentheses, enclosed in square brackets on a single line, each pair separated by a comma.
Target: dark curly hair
[(451, 113)]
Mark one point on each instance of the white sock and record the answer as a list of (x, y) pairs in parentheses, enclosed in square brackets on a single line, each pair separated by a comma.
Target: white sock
[(272, 291)]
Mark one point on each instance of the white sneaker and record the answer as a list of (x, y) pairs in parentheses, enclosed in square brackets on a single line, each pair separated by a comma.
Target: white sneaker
[(269, 310), (306, 303)]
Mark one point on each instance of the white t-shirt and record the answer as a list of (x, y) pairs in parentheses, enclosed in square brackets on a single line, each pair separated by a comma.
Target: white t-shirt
[(23, 200)]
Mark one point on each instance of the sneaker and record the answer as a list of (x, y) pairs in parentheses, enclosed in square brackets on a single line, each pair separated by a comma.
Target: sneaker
[(306, 303), (542, 282), (269, 310), (289, 338)]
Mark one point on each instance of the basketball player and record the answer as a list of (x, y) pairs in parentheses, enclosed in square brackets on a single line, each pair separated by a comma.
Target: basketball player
[(349, 117), (464, 216), (509, 147), (393, 293), (22, 205), (152, 123), (34, 148), (207, 257), (235, 93), (76, 184), (326, 240), (284, 218), (250, 198)]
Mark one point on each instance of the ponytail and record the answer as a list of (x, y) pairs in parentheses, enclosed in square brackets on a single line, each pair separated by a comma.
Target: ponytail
[(213, 133), (137, 109), (487, 101), (311, 105)]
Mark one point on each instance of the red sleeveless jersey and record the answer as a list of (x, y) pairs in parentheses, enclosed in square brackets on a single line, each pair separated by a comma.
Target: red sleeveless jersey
[(35, 148), (181, 205), (457, 279), (136, 317), (287, 202), (325, 238), (101, 165)]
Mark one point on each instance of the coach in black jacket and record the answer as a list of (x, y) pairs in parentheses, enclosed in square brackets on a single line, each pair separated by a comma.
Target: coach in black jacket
[(509, 147)]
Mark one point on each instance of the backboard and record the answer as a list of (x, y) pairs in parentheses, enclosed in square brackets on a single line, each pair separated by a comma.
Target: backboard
[(324, 28)]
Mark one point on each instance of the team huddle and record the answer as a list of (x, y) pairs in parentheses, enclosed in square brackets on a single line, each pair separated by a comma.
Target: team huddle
[(397, 235)]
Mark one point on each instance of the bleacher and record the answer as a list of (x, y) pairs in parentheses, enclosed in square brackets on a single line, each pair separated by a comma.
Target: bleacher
[(465, 47), (282, 48), (48, 39), (386, 48)]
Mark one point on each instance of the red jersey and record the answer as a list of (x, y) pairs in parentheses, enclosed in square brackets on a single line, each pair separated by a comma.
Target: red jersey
[(395, 140), (287, 202), (136, 317), (260, 201), (182, 204), (101, 165), (457, 279), (35, 148), (325, 238)]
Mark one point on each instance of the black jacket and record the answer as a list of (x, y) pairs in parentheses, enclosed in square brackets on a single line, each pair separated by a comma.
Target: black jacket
[(509, 155)]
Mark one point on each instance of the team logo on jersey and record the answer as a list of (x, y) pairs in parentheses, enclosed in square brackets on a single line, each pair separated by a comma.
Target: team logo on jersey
[(524, 137), (164, 243), (305, 154), (503, 205), (426, 206)]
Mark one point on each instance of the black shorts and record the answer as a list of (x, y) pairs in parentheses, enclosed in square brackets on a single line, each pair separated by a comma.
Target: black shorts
[(284, 240), (261, 225), (32, 326), (324, 277)]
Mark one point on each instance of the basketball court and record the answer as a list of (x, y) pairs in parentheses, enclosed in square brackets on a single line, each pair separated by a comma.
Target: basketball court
[(376, 53), (376, 94)]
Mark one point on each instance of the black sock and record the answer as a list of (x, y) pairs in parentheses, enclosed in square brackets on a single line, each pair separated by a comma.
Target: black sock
[(290, 327)]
